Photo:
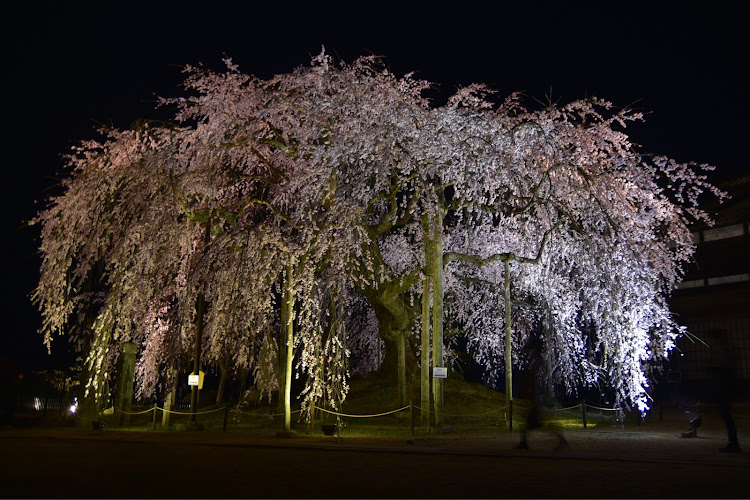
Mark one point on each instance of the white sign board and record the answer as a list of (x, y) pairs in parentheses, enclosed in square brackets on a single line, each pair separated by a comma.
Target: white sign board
[(194, 379), (440, 372)]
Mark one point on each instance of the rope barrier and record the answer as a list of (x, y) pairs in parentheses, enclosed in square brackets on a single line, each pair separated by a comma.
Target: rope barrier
[(189, 413), (601, 409), (133, 413), (363, 416), (465, 414), (580, 405), (563, 409), (569, 408), (201, 412), (165, 411), (261, 415), (358, 416)]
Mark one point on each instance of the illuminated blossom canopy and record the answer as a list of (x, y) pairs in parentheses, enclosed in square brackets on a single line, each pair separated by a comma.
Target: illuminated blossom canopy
[(336, 185)]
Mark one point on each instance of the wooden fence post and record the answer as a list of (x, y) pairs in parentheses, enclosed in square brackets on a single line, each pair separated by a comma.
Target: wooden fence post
[(411, 415), (583, 412)]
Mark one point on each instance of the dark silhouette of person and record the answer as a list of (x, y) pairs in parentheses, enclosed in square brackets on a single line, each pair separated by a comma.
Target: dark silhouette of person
[(534, 416), (724, 384)]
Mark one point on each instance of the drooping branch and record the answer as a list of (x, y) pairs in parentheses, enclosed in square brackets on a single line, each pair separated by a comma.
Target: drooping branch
[(475, 260), (504, 256)]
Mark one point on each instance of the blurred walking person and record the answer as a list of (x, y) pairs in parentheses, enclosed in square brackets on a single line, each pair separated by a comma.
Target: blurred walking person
[(724, 385), (534, 416)]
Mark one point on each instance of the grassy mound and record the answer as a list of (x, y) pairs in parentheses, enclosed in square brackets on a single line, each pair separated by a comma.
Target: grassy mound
[(371, 410)]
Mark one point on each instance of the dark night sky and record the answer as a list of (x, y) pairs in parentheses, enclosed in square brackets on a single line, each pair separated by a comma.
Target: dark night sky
[(66, 68)]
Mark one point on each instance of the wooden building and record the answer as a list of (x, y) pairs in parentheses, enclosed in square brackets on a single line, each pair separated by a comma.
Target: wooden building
[(715, 294)]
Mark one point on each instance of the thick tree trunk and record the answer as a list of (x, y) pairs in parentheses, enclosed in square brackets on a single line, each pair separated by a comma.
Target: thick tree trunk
[(224, 366), (200, 311), (395, 319), (397, 362), (508, 344), (288, 329), (402, 384), (425, 361), (281, 368), (93, 376), (437, 319), (124, 384), (170, 397)]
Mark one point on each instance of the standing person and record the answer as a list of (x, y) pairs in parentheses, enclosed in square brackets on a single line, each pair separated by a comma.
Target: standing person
[(724, 385), (533, 418)]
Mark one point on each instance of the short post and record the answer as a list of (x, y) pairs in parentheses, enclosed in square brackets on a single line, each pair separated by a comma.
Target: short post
[(583, 412), (311, 424), (411, 415), (226, 412), (154, 418)]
